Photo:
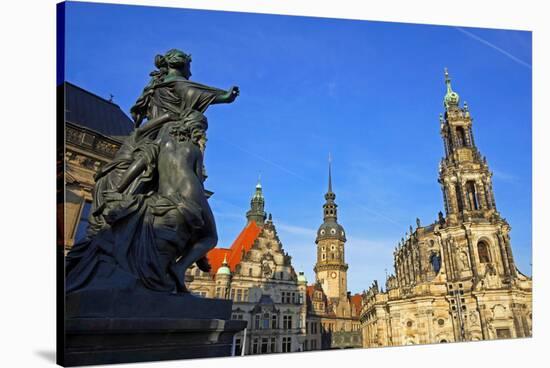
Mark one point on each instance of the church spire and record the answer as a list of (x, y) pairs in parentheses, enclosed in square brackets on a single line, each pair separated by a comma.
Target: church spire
[(329, 174), (329, 208), (257, 205), (330, 227)]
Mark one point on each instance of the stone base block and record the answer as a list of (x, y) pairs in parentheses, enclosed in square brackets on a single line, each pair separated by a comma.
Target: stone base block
[(124, 340), (121, 326)]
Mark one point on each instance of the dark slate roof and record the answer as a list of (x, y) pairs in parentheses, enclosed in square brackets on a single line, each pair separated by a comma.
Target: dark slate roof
[(91, 111)]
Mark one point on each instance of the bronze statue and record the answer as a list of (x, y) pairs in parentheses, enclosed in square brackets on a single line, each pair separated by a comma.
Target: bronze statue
[(150, 217)]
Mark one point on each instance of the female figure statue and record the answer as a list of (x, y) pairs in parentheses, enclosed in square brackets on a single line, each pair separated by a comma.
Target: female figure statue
[(149, 206)]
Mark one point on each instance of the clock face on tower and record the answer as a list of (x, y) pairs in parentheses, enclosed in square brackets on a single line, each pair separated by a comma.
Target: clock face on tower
[(333, 275)]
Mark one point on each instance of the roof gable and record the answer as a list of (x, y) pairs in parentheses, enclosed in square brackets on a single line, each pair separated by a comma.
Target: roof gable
[(242, 244)]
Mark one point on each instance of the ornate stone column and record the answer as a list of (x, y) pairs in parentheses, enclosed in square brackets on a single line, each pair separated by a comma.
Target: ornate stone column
[(443, 245), (473, 259), (511, 263), (503, 253), (480, 191)]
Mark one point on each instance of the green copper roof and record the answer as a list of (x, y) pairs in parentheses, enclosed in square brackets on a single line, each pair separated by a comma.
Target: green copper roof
[(451, 97), (224, 269)]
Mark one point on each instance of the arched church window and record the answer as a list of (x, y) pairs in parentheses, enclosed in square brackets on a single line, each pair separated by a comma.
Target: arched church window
[(472, 195), (461, 137), (483, 252), (435, 260)]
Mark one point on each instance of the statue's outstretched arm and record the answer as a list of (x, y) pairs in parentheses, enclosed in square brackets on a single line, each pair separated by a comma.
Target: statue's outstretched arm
[(228, 96)]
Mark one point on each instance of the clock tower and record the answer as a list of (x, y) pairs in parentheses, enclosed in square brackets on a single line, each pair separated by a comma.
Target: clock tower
[(331, 268)]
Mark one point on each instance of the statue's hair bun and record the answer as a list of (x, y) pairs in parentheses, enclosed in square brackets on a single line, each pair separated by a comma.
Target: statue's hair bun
[(160, 61)]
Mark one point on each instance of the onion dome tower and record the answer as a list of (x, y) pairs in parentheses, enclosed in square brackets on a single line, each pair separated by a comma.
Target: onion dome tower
[(331, 268), (257, 206)]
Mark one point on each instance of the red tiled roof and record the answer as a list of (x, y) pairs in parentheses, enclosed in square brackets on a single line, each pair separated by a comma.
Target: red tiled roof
[(309, 290), (357, 300), (245, 240)]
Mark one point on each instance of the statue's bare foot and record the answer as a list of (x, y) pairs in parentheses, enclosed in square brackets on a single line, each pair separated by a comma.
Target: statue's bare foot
[(203, 264), (178, 281)]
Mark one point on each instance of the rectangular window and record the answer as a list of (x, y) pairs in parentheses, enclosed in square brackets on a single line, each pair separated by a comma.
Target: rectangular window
[(503, 333), (238, 346), (265, 322), (232, 297), (218, 291), (239, 295), (245, 295), (287, 322), (255, 346), (265, 341), (301, 300), (273, 347), (257, 322), (274, 322), (286, 345)]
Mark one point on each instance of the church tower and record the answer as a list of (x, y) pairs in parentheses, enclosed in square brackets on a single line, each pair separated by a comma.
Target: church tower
[(331, 268), (459, 271), (257, 204), (464, 175), (467, 188)]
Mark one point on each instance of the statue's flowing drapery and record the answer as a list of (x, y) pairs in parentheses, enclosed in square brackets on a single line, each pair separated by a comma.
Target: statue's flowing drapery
[(123, 235)]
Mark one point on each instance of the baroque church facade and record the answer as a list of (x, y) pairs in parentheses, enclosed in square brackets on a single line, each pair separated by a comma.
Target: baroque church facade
[(257, 274), (455, 279), (330, 304)]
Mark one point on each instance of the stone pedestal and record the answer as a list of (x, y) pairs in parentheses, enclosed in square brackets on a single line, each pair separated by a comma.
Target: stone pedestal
[(103, 327)]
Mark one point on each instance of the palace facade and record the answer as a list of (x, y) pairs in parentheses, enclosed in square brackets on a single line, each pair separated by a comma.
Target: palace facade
[(94, 131), (257, 274), (330, 304), (455, 279)]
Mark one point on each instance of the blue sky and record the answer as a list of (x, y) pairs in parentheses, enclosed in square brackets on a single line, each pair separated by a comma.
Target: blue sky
[(370, 93)]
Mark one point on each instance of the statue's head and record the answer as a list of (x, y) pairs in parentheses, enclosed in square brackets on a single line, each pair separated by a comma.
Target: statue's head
[(175, 59)]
